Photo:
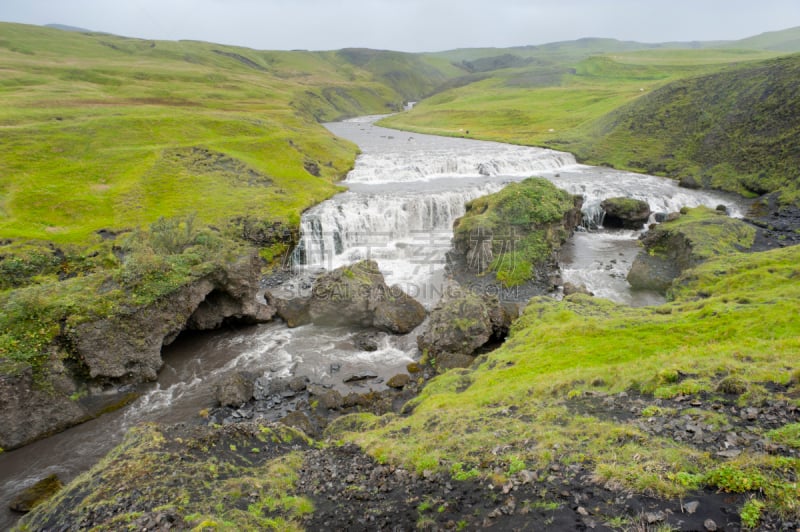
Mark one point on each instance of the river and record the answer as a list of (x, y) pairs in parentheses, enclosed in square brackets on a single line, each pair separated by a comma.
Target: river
[(404, 194)]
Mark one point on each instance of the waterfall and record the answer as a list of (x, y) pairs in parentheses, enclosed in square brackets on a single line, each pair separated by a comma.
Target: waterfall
[(356, 226), (484, 161)]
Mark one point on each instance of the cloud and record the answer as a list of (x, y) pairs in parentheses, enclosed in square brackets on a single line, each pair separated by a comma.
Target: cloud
[(411, 25)]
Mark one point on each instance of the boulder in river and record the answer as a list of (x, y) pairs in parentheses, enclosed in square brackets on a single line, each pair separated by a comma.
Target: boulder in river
[(506, 242), (463, 322), (32, 496), (235, 390), (683, 242), (358, 295), (625, 213)]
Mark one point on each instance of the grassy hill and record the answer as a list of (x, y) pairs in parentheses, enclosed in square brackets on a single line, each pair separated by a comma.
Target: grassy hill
[(736, 130), (95, 128), (536, 103), (114, 146)]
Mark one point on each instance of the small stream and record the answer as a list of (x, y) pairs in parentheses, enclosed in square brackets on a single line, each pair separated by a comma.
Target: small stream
[(404, 194)]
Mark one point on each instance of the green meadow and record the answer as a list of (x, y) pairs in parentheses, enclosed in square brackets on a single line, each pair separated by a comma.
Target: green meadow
[(175, 146)]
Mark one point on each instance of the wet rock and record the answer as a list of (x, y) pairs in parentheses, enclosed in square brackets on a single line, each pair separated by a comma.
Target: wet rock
[(234, 390), (462, 322), (298, 384), (34, 495), (677, 245), (367, 340), (362, 376), (293, 311), (328, 399), (570, 288), (492, 227), (300, 421), (625, 213), (400, 380), (358, 295), (400, 314), (27, 411), (689, 182), (127, 346)]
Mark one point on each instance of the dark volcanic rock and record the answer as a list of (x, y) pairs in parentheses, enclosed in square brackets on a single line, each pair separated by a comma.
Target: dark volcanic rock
[(684, 241), (293, 311), (358, 295), (625, 213), (126, 347), (235, 390), (570, 288), (463, 322), (28, 412), (367, 340), (398, 381), (689, 182), (506, 243)]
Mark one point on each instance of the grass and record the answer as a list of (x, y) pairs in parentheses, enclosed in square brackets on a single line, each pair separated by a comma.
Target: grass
[(214, 486), (731, 315), (722, 116), (106, 136), (521, 221), (503, 108)]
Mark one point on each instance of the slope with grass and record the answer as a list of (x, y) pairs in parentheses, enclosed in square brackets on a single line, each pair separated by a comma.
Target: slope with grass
[(735, 130), (137, 172), (538, 103), (727, 342)]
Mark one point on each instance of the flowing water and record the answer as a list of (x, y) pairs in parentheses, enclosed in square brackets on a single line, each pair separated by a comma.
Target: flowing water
[(404, 194)]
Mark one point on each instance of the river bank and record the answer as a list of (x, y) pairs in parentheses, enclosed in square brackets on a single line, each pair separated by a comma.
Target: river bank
[(337, 346)]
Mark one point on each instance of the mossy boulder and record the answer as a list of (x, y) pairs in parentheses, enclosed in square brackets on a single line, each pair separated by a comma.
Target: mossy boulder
[(625, 213), (35, 495), (697, 235), (358, 295), (462, 323), (508, 239)]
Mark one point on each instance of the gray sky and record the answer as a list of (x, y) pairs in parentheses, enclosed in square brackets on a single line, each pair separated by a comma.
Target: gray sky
[(411, 25)]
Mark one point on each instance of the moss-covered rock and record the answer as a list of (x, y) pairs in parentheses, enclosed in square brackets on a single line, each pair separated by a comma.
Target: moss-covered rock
[(625, 213), (460, 324), (696, 236), (35, 495), (508, 239)]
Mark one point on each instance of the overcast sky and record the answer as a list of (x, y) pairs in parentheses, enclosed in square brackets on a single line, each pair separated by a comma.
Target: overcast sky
[(411, 25)]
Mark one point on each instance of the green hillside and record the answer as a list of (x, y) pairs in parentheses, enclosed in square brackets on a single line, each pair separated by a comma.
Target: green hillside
[(736, 130), (95, 128), (144, 164), (544, 99), (782, 41)]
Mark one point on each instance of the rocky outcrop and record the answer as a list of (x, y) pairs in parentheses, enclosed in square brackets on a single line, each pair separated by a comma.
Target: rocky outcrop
[(358, 295), (123, 348), (685, 241), (507, 243), (126, 347), (625, 213), (27, 412), (460, 324)]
